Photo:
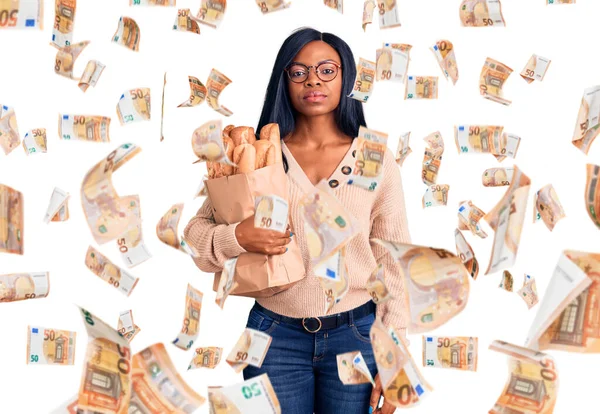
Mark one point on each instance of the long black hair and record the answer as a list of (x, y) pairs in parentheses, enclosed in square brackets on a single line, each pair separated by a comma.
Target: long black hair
[(277, 107)]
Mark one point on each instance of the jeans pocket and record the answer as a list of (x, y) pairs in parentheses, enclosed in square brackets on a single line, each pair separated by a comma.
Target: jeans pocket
[(362, 327), (261, 322)]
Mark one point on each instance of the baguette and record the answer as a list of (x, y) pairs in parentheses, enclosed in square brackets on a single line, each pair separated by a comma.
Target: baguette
[(244, 156), (265, 153), (242, 135), (215, 169), (227, 129), (229, 147), (270, 132)]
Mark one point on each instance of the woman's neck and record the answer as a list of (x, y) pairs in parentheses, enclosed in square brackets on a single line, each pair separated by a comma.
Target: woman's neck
[(316, 131)]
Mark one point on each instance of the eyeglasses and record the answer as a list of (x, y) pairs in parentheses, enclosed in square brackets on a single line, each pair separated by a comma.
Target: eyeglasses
[(326, 71)]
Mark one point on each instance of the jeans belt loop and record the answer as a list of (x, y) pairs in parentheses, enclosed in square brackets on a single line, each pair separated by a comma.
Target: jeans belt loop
[(308, 330)]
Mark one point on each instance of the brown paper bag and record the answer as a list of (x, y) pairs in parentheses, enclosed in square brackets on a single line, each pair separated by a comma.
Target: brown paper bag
[(232, 197)]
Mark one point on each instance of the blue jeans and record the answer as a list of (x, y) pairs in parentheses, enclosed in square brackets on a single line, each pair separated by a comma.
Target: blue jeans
[(302, 366)]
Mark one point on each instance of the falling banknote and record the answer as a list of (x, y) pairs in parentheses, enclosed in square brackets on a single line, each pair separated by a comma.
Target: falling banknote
[(226, 282), (134, 106), (157, 386), (127, 34), (588, 119), (402, 383), (376, 286), (497, 177), (207, 143), (566, 317), (268, 6), (432, 158), (102, 267), (443, 51), (91, 74), (333, 277), (368, 9), (532, 386), (93, 128), (486, 139), (335, 5), (481, 13), (328, 226), (468, 218), (211, 12), (185, 22), (165, 3), (507, 281), (66, 57), (592, 192), (108, 359), (421, 87), (250, 349), (191, 319), (9, 132), (131, 244), (352, 369), (403, 149), (11, 220), (126, 326), (535, 69), (551, 2), (64, 18), (365, 80), (167, 230), (35, 141), (392, 62), (108, 215), (271, 213), (458, 352), (21, 14), (197, 93), (437, 284), (214, 87), (388, 14), (547, 207), (22, 286), (466, 254), (371, 147), (255, 395), (58, 208), (50, 346), (436, 195), (208, 357), (529, 292), (507, 218), (491, 80)]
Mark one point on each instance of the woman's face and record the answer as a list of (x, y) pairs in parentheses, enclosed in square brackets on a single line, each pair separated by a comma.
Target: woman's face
[(313, 96)]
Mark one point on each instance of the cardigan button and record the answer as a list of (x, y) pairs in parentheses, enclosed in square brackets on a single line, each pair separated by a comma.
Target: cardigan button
[(346, 170), (354, 153), (334, 183)]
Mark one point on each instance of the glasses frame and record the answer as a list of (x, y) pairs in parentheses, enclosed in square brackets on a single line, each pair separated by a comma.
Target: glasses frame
[(308, 68)]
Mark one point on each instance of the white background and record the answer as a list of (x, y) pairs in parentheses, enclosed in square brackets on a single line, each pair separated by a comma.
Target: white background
[(244, 49)]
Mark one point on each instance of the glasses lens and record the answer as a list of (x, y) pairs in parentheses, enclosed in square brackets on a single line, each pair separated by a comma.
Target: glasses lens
[(327, 71), (298, 73)]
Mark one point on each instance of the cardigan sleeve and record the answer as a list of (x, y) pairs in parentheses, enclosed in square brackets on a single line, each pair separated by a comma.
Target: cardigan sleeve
[(214, 243), (389, 222)]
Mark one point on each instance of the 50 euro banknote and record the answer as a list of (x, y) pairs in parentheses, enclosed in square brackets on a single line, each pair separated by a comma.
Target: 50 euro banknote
[(458, 352)]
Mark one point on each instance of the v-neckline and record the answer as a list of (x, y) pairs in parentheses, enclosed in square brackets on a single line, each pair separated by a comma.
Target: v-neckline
[(338, 177)]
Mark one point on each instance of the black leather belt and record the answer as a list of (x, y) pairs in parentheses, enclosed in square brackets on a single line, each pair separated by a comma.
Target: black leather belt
[(315, 324)]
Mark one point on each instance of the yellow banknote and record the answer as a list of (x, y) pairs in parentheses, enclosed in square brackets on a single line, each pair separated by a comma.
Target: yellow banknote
[(102, 267), (50, 346), (421, 87), (208, 357), (211, 12), (268, 6), (250, 349), (507, 281), (9, 131), (134, 106), (186, 22), (191, 319), (21, 14), (481, 13), (21, 286), (371, 147), (197, 93), (468, 218), (491, 80), (66, 57), (443, 50), (333, 277), (535, 69), (127, 34), (352, 369), (11, 220), (532, 385), (376, 286), (432, 159), (255, 395), (35, 141), (126, 326), (592, 193), (58, 207), (547, 207), (403, 149), (365, 80), (587, 127), (214, 87), (497, 177), (436, 195), (392, 62), (466, 254), (94, 128), (64, 19), (458, 352)]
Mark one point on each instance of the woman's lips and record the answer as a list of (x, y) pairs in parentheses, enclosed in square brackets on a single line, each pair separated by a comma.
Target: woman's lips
[(315, 97)]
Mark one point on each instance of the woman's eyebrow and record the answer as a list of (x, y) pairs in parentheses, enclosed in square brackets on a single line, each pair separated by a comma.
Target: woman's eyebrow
[(318, 63)]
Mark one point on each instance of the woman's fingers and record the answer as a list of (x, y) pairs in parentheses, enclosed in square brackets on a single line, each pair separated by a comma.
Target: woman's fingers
[(375, 394)]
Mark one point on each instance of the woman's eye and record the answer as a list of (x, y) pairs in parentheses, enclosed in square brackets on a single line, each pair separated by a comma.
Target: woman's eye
[(298, 74), (327, 71)]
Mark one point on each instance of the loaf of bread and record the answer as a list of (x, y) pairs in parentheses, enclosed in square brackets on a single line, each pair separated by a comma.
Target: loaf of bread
[(244, 156), (270, 132)]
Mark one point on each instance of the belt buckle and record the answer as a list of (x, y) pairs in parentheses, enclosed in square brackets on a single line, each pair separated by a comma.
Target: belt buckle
[(308, 330)]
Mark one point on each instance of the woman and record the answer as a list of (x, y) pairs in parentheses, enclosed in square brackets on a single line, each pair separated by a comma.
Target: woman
[(306, 96)]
